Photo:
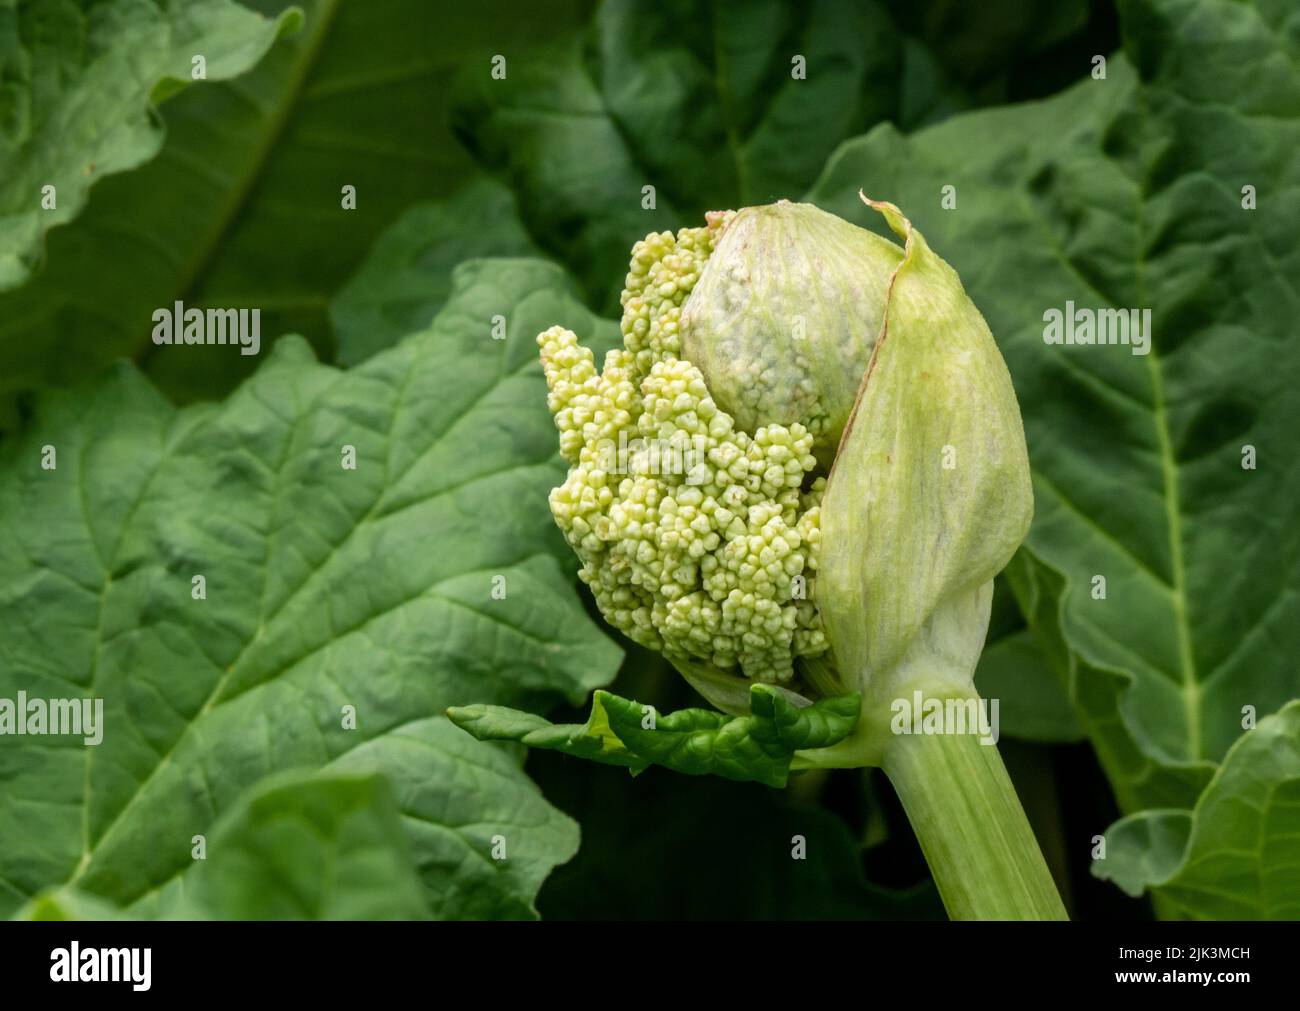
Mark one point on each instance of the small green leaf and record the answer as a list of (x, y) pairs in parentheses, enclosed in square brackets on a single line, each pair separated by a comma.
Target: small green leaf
[(593, 739), (759, 746), (1232, 857), (1144, 849)]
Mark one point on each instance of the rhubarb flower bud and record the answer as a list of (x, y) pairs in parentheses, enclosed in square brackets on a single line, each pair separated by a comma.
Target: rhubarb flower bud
[(898, 378), (784, 317)]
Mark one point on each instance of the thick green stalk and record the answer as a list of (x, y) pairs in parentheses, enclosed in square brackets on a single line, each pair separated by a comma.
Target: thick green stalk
[(971, 827)]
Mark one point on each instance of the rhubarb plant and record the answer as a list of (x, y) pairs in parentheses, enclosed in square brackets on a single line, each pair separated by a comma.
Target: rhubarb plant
[(825, 468)]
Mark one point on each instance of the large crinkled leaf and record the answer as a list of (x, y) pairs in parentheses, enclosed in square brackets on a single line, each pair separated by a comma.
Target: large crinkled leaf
[(710, 118), (406, 277), (1093, 691), (243, 207), (78, 85), (334, 844), (405, 814), (764, 121), (441, 777), (743, 107), (1232, 857), (1127, 193), (425, 577), (309, 847), (758, 746), (653, 107)]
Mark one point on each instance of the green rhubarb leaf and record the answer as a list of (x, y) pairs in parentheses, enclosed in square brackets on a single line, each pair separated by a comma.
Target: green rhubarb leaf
[(1144, 849), (710, 119), (762, 131), (1017, 671), (78, 89), (406, 277), (238, 595), (974, 43), (336, 844), (742, 109), (1232, 857), (310, 847), (1032, 704), (1158, 472), (244, 205), (759, 746)]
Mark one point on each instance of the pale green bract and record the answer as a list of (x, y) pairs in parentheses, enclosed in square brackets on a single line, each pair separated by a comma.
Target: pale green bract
[(785, 325)]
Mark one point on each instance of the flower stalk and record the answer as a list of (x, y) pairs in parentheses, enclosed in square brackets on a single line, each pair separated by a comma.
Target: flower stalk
[(971, 827)]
